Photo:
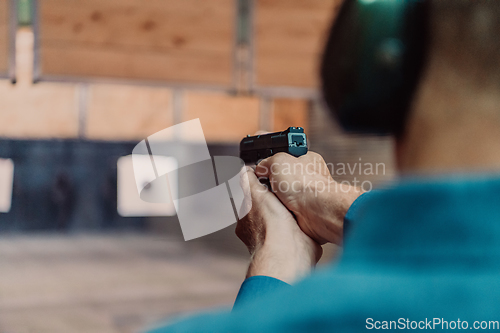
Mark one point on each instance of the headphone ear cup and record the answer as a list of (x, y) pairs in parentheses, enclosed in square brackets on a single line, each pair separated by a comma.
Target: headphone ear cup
[(372, 62)]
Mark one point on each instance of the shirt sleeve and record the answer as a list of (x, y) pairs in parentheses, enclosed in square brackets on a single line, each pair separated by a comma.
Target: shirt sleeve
[(352, 212), (257, 286)]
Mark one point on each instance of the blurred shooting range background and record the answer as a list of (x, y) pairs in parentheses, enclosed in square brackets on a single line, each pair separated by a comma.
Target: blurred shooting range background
[(81, 83)]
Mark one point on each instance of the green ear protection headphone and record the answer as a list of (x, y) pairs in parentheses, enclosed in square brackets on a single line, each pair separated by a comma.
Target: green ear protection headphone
[(372, 63)]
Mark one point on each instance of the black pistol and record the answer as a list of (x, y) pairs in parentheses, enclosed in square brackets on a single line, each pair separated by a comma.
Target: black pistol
[(255, 148)]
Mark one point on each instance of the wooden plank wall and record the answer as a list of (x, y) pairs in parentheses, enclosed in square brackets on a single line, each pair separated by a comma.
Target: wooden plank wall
[(289, 37), (181, 41), (4, 37), (126, 112), (223, 118)]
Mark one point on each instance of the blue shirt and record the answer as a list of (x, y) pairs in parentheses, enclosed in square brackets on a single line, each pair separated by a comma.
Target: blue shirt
[(425, 253)]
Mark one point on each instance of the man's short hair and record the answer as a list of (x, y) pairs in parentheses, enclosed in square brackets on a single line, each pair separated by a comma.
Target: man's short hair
[(467, 34)]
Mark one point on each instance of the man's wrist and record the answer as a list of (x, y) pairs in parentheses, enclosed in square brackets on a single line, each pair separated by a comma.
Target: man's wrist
[(279, 265), (348, 199), (283, 257)]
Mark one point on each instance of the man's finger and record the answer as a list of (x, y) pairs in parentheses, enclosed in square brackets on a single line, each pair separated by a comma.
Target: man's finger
[(265, 167), (252, 178), (262, 169), (253, 181)]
